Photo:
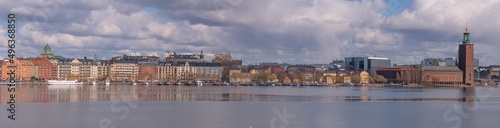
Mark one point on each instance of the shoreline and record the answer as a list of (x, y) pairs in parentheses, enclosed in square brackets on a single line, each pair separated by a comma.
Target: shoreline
[(330, 85)]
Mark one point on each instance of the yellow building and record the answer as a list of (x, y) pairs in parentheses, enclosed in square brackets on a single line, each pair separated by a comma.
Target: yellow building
[(364, 77), (124, 71)]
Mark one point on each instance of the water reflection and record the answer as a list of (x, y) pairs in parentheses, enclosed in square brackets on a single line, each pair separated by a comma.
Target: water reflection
[(85, 93)]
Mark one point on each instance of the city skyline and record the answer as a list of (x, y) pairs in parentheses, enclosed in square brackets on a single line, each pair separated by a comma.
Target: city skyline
[(296, 32)]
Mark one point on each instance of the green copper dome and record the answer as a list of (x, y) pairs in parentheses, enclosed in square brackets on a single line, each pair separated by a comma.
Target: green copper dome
[(47, 50)]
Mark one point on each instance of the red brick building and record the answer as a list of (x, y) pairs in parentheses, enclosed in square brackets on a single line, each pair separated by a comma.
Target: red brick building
[(148, 71), (45, 68)]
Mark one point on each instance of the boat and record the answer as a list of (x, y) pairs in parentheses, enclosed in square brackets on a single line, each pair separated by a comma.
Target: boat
[(107, 82), (63, 82)]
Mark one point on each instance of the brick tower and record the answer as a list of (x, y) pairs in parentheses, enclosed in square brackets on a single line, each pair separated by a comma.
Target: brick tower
[(466, 59)]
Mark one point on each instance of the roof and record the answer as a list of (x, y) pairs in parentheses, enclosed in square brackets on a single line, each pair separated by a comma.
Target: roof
[(47, 50), (441, 68)]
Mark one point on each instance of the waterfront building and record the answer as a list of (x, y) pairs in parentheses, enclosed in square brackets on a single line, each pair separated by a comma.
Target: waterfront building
[(166, 71), (227, 64), (148, 70), (185, 72), (45, 68), (441, 75), (124, 71), (370, 64), (6, 68), (103, 69), (206, 71), (77, 69), (466, 59), (236, 75), (28, 70), (494, 72)]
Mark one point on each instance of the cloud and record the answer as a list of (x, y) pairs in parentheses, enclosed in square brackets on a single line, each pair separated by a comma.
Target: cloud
[(300, 31)]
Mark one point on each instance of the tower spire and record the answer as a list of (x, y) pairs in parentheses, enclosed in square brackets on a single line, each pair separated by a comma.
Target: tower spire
[(466, 28), (466, 39)]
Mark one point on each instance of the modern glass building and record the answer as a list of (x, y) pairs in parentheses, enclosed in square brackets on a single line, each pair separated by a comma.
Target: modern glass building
[(370, 64)]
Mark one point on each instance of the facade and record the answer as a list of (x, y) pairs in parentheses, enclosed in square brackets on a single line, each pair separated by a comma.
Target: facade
[(77, 69), (401, 74), (166, 71), (206, 71), (103, 70), (237, 76), (185, 72), (441, 75), (45, 68), (466, 59), (148, 70), (6, 67), (370, 64), (124, 71), (27, 70)]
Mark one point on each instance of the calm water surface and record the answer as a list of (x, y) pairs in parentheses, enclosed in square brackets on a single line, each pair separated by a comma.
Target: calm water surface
[(244, 107)]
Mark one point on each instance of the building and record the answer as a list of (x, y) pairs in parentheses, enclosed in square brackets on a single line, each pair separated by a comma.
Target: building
[(184, 72), (206, 71), (476, 63), (441, 75), (370, 64), (222, 58), (148, 70), (185, 57), (405, 74), (166, 71), (47, 52), (301, 69), (27, 70), (433, 62), (77, 69), (124, 71), (7, 66), (45, 68), (338, 63), (135, 57), (237, 76), (450, 62), (466, 59), (103, 70)]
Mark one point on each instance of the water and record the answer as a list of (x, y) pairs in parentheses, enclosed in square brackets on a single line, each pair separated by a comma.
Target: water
[(244, 107)]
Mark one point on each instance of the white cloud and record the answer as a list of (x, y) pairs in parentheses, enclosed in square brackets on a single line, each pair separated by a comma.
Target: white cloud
[(301, 31)]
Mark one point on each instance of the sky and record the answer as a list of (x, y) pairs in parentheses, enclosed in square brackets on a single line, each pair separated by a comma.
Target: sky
[(283, 31)]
